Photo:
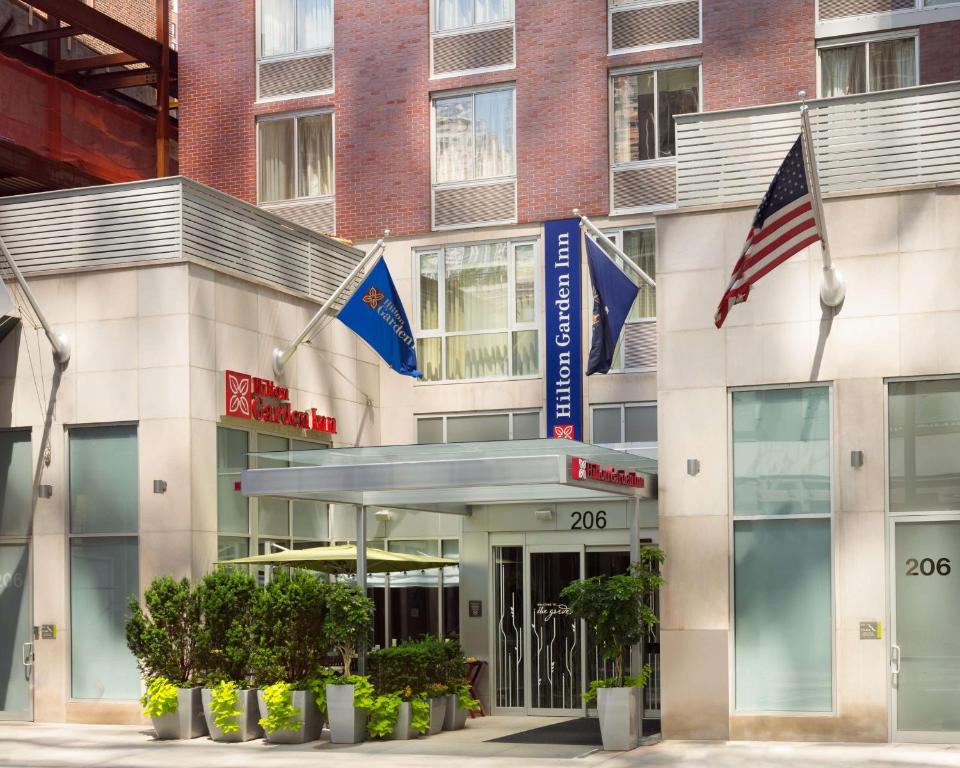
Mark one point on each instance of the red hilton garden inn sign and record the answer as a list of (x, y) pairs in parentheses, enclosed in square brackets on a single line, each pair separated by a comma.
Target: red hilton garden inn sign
[(248, 397)]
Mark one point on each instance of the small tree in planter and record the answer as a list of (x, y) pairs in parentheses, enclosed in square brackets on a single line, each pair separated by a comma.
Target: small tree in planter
[(617, 610), (290, 642), (224, 641), (162, 635), (349, 621)]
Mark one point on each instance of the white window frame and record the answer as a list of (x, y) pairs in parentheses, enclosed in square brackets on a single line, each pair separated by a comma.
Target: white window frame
[(631, 5), (474, 27), (731, 560), (435, 33), (615, 73), (512, 324), (511, 413), (457, 94), (616, 235), (865, 40), (623, 444), (295, 54), (295, 116), (920, 13)]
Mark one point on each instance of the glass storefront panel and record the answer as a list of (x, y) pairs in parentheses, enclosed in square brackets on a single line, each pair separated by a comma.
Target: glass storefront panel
[(451, 588), (603, 564), (16, 483), (414, 595), (508, 685), (526, 426), (232, 547), (233, 508), (103, 480), (468, 429), (555, 641), (16, 701)]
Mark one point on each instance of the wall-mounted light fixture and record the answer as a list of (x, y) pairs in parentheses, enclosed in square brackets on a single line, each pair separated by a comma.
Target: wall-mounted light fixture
[(693, 467), (45, 491), (159, 486), (856, 459), (383, 515), (544, 515)]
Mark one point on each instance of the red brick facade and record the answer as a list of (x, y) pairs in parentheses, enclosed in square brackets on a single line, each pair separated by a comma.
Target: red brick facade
[(383, 89)]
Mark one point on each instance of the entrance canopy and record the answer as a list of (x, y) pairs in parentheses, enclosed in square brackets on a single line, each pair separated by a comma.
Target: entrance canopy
[(452, 477)]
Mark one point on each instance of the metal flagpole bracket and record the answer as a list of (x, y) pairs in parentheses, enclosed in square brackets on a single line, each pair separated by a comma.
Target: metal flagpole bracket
[(833, 289), (282, 356), (629, 263)]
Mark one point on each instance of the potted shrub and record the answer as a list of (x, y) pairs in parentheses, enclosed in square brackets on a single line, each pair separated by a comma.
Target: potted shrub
[(348, 622), (289, 641), (617, 609), (162, 636), (226, 597)]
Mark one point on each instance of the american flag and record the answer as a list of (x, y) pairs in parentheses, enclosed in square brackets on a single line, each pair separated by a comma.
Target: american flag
[(784, 224)]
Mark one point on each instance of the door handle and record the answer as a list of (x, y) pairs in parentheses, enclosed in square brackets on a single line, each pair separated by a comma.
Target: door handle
[(27, 656), (895, 664)]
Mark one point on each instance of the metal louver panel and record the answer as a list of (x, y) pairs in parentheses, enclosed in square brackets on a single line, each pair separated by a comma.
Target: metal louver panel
[(474, 205), (644, 187), (837, 9), (654, 25), (320, 216), (307, 74), (640, 345), (473, 50)]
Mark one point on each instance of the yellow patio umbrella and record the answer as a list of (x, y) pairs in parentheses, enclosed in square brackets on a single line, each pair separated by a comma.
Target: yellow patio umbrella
[(343, 559)]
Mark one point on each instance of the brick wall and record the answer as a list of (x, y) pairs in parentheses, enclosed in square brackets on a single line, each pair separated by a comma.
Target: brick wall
[(940, 52)]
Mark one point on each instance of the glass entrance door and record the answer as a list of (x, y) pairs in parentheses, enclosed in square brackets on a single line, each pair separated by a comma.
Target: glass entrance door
[(16, 640), (554, 642), (925, 641)]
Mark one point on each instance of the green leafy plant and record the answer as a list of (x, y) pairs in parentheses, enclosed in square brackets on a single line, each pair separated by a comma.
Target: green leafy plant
[(465, 699), (420, 713), (617, 608), (223, 704), (162, 634), (436, 690), (363, 693), (224, 637), (417, 664), (629, 681), (384, 711), (281, 714), (317, 685), (289, 629), (349, 621), (160, 698)]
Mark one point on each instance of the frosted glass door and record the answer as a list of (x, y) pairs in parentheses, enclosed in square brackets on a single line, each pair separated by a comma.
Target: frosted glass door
[(927, 629), (16, 702)]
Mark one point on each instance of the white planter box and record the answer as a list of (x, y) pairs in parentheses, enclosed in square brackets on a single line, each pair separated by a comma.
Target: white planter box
[(187, 722), (403, 730), (456, 716), (438, 711), (618, 708), (311, 719), (348, 725), (247, 719)]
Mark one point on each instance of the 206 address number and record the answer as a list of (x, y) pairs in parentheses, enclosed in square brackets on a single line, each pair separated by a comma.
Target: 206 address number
[(927, 567), (588, 520)]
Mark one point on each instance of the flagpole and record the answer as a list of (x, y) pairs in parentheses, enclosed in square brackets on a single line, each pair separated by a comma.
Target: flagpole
[(61, 347), (628, 262), (282, 356), (833, 289)]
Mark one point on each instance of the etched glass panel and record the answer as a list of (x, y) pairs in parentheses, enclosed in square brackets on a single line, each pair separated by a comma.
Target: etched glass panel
[(508, 684), (555, 642)]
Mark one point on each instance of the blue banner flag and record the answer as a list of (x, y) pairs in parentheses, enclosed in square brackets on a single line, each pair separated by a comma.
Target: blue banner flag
[(375, 314), (613, 295)]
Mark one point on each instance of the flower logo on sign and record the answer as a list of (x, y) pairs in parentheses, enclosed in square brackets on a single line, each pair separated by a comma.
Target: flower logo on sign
[(563, 431), (238, 395), (373, 298)]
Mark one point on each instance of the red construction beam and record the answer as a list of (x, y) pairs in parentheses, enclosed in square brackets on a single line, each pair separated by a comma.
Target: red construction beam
[(108, 81), (39, 37), (93, 62)]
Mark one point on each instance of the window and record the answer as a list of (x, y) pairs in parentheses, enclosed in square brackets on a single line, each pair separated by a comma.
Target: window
[(104, 560), (296, 157), (639, 245), (782, 579), (458, 14), (628, 423), (865, 66), (474, 136), (16, 484), (295, 26), (519, 425), (478, 316), (644, 105)]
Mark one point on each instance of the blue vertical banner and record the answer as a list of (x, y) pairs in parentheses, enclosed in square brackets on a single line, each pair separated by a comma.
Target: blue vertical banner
[(564, 351)]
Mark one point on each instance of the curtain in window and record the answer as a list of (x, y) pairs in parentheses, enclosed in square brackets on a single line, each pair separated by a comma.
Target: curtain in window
[(892, 65), (429, 291), (677, 94), (455, 153), (476, 287), (524, 269), (315, 139), (843, 70), (277, 27), (276, 160), (494, 134), (640, 246), (633, 126), (314, 24), (454, 14), (489, 11)]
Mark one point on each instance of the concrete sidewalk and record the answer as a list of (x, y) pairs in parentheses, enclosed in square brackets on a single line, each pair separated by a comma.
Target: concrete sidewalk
[(78, 746)]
